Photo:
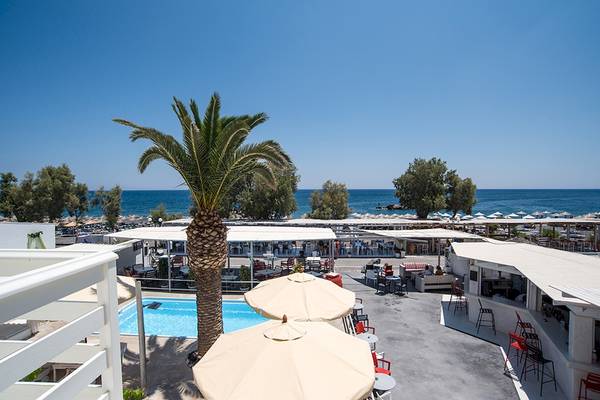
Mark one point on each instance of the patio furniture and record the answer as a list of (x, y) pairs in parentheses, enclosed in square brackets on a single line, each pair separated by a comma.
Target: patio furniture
[(532, 339), (370, 275), (516, 343), (335, 278), (369, 338), (434, 282), (361, 327), (391, 282), (591, 382), (485, 318), (523, 326), (455, 291), (460, 302), (401, 287), (534, 359), (407, 268), (381, 366)]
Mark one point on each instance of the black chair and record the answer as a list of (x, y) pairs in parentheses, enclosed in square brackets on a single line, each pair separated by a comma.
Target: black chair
[(535, 362), (485, 317), (460, 302), (401, 287)]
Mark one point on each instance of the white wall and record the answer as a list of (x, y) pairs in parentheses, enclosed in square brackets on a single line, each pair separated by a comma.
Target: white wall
[(13, 235)]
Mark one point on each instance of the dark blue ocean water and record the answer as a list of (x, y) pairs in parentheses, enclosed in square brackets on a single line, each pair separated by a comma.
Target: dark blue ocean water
[(577, 202)]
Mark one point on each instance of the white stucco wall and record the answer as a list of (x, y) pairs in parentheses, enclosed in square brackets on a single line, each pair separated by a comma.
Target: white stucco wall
[(13, 235)]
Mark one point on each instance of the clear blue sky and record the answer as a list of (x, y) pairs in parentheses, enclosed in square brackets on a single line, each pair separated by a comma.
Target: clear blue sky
[(508, 92)]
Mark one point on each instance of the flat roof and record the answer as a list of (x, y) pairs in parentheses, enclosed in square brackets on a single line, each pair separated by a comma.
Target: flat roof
[(545, 267), (433, 233), (587, 294), (243, 233)]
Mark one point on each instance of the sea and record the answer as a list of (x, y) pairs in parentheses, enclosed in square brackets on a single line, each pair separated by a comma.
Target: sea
[(362, 201)]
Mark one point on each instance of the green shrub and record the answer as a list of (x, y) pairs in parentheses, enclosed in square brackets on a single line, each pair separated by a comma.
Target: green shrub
[(133, 394), (32, 377)]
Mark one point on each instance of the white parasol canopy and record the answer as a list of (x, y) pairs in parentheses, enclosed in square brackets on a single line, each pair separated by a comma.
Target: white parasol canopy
[(301, 296), (286, 361)]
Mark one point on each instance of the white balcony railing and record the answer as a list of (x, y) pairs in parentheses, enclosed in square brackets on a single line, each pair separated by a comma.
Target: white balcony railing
[(32, 284)]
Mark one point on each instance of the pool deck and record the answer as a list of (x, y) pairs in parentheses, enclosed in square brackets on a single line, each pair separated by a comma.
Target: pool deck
[(429, 360)]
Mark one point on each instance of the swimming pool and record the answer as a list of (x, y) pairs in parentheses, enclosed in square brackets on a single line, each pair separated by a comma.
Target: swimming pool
[(177, 317)]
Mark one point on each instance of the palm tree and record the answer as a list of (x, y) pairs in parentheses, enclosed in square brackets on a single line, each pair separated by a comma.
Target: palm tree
[(211, 158)]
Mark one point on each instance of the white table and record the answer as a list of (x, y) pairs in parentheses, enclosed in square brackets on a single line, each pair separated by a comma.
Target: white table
[(369, 338), (384, 382)]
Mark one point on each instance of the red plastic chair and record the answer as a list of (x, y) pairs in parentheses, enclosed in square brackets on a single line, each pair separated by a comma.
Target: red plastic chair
[(515, 342), (591, 382), (362, 328), (381, 366)]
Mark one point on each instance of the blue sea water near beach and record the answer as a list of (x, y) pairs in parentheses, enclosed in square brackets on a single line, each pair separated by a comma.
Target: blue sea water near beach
[(574, 201)]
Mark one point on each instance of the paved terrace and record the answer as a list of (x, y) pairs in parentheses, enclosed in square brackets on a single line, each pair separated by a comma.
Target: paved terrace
[(429, 361)]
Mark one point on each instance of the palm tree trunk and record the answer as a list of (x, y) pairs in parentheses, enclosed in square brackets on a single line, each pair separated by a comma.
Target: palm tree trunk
[(207, 248)]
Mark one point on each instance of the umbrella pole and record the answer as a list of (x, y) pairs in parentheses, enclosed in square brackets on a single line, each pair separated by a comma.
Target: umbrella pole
[(141, 333)]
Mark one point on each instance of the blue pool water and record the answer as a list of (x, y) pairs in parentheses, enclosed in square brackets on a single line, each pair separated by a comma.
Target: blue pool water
[(177, 317)]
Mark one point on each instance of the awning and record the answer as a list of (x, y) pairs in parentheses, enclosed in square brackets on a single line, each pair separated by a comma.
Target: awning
[(434, 233), (234, 233), (546, 268)]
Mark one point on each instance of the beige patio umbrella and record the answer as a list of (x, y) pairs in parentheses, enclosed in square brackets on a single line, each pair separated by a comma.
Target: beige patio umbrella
[(286, 361), (301, 296), (125, 291)]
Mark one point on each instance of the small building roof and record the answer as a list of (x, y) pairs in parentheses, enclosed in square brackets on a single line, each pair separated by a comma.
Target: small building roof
[(244, 233), (545, 267), (587, 294), (434, 233)]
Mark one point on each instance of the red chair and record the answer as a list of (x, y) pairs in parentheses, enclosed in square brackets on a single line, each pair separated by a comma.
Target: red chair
[(381, 366), (389, 270), (515, 342), (335, 278), (362, 328), (590, 382)]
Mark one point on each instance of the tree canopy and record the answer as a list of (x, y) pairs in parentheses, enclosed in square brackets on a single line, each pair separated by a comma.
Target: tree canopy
[(331, 202), (159, 213), (263, 202), (45, 195), (428, 186), (110, 203)]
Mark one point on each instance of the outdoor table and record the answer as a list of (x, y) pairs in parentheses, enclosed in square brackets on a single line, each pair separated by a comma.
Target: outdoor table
[(369, 338), (390, 281), (358, 307), (143, 270), (384, 382)]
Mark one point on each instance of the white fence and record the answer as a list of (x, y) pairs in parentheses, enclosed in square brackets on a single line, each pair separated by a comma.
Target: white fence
[(32, 284)]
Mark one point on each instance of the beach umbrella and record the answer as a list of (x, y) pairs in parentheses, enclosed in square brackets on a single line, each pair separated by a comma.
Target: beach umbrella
[(528, 217), (512, 215), (467, 217), (498, 214), (125, 291), (286, 361), (301, 296), (521, 213), (445, 215), (479, 214), (492, 216), (480, 217)]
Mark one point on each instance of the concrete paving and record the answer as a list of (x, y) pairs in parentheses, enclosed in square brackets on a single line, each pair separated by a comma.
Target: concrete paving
[(430, 361)]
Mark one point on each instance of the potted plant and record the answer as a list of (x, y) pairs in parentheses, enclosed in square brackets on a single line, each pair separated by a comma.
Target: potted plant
[(244, 278)]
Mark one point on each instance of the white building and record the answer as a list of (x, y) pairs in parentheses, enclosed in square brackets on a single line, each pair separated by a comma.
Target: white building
[(548, 288)]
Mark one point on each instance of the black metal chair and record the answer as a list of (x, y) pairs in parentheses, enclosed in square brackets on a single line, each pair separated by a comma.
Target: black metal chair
[(460, 301), (485, 318), (536, 362)]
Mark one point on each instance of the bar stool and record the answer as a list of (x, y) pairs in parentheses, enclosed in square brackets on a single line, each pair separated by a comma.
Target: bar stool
[(535, 358), (460, 302), (485, 318), (517, 343), (523, 326), (532, 339)]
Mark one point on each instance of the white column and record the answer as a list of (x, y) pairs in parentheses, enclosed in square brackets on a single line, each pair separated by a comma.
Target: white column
[(532, 296), (109, 332), (581, 338)]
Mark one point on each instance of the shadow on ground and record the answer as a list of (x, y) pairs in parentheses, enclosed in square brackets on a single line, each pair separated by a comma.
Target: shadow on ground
[(167, 373)]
